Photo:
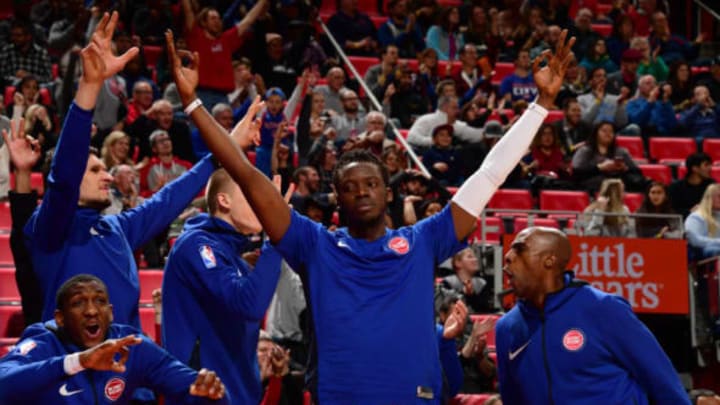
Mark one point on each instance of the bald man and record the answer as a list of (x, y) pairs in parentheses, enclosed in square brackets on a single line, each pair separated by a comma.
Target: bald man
[(566, 342)]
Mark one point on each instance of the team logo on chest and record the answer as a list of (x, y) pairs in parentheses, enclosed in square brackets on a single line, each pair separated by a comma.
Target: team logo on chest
[(399, 245), (114, 388), (573, 340)]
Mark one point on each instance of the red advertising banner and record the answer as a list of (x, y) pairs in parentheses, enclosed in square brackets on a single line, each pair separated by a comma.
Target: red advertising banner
[(651, 274)]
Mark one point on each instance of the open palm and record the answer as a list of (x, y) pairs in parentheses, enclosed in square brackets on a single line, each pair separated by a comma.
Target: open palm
[(185, 77), (99, 62), (24, 150), (247, 130), (549, 78)]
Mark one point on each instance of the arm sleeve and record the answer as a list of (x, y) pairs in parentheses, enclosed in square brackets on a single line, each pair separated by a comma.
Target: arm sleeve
[(300, 238), (696, 231), (474, 194), (433, 41), (638, 111), (583, 164), (22, 376), (688, 117), (641, 356), (50, 226), (450, 363), (147, 220), (507, 391), (419, 134)]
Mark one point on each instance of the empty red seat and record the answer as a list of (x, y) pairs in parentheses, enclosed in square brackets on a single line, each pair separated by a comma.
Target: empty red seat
[(147, 322), (554, 115), (8, 287), (6, 258), (634, 145), (672, 148), (363, 63), (506, 198), (557, 200), (712, 148), (493, 227), (149, 281), (657, 172), (633, 200), (11, 321), (152, 54), (603, 29), (525, 222), (502, 70)]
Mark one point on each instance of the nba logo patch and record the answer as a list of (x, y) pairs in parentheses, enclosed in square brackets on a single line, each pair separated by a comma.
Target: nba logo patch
[(208, 257), (114, 388), (573, 340), (25, 347), (399, 245)]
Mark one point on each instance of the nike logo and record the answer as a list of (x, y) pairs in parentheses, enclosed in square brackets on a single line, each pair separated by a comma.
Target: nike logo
[(514, 354), (64, 392), (93, 232)]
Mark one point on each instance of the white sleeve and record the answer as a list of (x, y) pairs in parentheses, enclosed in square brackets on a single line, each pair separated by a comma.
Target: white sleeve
[(420, 132), (474, 194)]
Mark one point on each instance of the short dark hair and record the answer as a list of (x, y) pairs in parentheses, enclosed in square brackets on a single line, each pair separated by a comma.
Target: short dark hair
[(301, 171), (356, 156), (696, 159), (64, 290), (570, 100)]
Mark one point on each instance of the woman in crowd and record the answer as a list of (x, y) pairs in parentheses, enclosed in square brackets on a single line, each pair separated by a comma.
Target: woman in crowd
[(682, 86), (597, 57), (115, 150), (608, 215), (702, 226), (446, 38), (657, 201), (622, 32)]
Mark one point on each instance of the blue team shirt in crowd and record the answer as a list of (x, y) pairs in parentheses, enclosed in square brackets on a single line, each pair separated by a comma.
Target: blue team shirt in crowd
[(372, 306)]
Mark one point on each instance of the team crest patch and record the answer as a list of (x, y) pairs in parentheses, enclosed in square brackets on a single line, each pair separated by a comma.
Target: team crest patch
[(114, 388), (25, 347), (573, 340), (208, 257), (399, 245)]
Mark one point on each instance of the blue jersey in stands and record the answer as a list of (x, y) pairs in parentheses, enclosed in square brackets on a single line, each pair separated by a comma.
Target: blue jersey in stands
[(33, 373), (372, 307), (585, 347), (213, 303), (65, 239)]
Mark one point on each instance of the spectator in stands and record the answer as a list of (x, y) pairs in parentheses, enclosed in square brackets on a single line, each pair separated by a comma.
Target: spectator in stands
[(619, 41), (22, 56), (394, 160), (651, 63), (482, 32), (39, 125), (702, 120), (66, 234), (428, 76), (446, 38), (353, 30), (686, 193), (519, 85), (247, 84), (467, 283), (601, 158), (373, 138), (280, 162), (624, 81), (599, 106), (572, 313), (160, 116), (572, 130), (401, 30), (542, 40), (206, 282), (279, 384), (223, 114), (651, 108), (71, 29), (27, 93), (351, 122), (608, 215), (713, 82), (546, 157), (83, 336), (137, 70), (24, 154), (701, 226), (471, 78), (115, 150), (163, 166), (574, 85), (673, 47), (657, 201), (379, 76), (442, 159), (307, 186), (582, 30), (271, 118), (420, 134), (479, 369), (403, 100), (331, 91), (683, 86), (273, 64), (142, 99), (597, 57), (642, 16), (204, 34), (124, 192)]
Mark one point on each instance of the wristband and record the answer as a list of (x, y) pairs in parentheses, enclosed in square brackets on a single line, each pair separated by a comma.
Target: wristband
[(71, 364), (192, 106)]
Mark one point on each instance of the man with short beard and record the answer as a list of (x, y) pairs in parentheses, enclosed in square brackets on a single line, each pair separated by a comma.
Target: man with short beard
[(352, 121)]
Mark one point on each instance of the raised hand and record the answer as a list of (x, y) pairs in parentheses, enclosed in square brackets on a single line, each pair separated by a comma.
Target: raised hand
[(247, 130), (549, 78), (98, 60), (24, 149), (207, 384), (185, 78), (102, 356), (455, 323)]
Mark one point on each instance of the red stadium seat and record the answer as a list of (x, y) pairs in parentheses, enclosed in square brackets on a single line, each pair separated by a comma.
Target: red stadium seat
[(556, 200), (554, 115), (378, 20), (712, 148), (36, 182), (633, 200), (11, 321), (671, 148), (8, 287), (493, 231), (152, 54), (502, 70), (44, 95), (604, 8), (6, 258), (603, 29), (147, 322), (251, 156), (412, 64), (714, 172), (634, 145), (5, 217), (525, 222), (454, 71), (696, 70), (511, 199), (149, 280), (328, 7), (657, 172), (363, 63)]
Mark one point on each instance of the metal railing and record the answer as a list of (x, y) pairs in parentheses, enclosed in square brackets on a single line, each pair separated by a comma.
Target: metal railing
[(373, 100)]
